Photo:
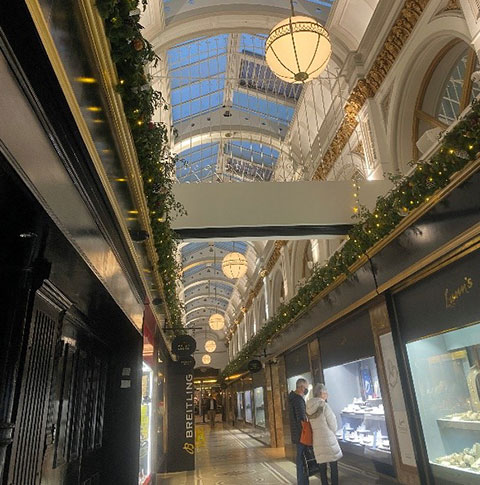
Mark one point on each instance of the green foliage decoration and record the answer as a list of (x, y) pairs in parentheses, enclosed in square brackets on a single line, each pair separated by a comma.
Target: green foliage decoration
[(458, 147), (131, 54)]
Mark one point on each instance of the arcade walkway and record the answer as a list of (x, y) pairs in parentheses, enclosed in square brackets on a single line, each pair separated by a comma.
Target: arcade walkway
[(230, 457)]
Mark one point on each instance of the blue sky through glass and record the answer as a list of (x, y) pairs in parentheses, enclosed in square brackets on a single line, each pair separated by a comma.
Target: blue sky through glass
[(197, 163), (197, 71), (268, 109), (251, 151)]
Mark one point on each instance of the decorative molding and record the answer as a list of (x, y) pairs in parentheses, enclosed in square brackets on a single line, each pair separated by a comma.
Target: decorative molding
[(95, 30), (452, 5), (368, 86)]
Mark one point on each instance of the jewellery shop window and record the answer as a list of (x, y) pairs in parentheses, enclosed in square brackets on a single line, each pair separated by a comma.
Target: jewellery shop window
[(355, 397), (443, 351), (248, 407), (259, 401), (240, 411), (347, 352), (446, 376)]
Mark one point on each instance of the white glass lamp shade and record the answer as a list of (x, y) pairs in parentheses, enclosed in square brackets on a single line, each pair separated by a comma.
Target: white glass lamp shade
[(216, 321), (234, 265), (298, 49), (210, 346), (206, 359)]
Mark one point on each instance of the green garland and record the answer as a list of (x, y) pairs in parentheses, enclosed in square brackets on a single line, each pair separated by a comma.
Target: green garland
[(460, 146), (131, 53)]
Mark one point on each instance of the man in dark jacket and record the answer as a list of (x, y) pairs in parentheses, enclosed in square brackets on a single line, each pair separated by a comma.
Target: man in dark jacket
[(296, 401)]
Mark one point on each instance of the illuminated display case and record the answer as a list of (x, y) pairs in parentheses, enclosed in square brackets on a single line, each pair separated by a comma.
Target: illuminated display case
[(355, 398), (146, 425), (248, 407), (442, 349), (259, 403), (240, 410), (446, 376)]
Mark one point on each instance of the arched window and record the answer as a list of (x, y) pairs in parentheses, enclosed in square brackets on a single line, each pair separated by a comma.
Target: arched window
[(442, 98), (307, 261)]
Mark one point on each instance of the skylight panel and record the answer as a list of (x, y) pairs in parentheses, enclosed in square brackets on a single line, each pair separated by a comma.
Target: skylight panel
[(252, 44), (212, 68), (198, 50), (192, 248), (268, 109), (197, 106), (253, 152), (197, 71), (197, 163), (260, 78), (237, 246)]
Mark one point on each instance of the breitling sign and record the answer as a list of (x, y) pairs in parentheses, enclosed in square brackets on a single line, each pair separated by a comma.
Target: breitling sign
[(181, 424)]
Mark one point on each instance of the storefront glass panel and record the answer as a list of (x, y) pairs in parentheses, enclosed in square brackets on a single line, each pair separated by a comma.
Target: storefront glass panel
[(259, 401), (355, 398), (145, 425), (446, 376), (248, 407), (240, 411)]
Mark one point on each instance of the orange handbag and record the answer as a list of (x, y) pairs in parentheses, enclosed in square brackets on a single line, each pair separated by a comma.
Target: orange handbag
[(306, 437)]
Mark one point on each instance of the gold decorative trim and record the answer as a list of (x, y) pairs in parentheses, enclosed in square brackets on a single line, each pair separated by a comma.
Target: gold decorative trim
[(451, 5), (367, 87), (95, 30), (64, 81), (101, 49)]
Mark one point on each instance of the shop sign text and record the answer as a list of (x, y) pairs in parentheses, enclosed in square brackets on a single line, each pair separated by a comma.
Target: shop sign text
[(451, 297)]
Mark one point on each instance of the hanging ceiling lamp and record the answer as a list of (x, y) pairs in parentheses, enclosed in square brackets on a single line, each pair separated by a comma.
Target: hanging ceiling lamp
[(206, 359), (298, 49), (216, 321), (234, 265), (210, 346)]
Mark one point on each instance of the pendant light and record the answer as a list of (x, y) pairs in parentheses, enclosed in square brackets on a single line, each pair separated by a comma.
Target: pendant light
[(216, 321), (298, 48), (234, 265), (210, 346)]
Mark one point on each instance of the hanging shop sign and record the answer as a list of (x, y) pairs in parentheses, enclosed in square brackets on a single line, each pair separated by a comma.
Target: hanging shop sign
[(181, 421), (185, 363), (184, 345), (255, 366)]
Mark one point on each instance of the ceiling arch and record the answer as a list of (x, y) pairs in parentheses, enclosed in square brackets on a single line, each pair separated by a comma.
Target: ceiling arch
[(199, 297), (224, 281)]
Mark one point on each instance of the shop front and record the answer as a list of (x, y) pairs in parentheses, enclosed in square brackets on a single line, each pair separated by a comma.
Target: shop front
[(146, 428), (350, 372), (248, 398), (438, 319)]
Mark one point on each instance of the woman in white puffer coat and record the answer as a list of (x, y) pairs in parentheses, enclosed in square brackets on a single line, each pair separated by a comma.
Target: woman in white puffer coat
[(324, 427)]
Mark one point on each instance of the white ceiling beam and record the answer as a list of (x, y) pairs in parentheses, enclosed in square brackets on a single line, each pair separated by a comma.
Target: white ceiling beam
[(263, 204)]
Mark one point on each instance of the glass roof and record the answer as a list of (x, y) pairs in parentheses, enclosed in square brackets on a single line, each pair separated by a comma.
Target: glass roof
[(197, 76), (199, 85), (203, 269)]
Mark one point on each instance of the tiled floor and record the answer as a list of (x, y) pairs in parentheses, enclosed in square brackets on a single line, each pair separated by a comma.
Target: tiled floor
[(230, 457)]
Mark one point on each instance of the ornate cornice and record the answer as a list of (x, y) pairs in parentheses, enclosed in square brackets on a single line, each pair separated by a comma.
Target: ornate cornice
[(452, 5), (368, 86)]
